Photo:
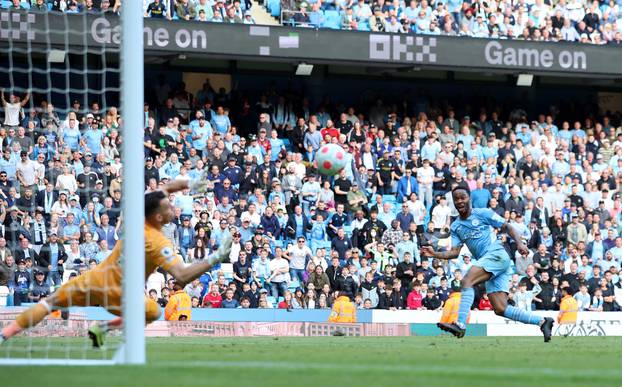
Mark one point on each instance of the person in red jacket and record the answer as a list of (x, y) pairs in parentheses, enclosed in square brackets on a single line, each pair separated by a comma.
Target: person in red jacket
[(212, 299), (484, 303), (329, 130), (413, 301), (287, 301)]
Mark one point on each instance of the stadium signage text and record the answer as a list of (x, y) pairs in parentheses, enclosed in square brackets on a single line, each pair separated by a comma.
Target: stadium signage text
[(498, 55), (104, 32)]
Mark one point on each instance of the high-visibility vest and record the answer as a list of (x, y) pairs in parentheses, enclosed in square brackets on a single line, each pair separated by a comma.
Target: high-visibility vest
[(180, 304), (343, 311), (451, 309), (568, 309)]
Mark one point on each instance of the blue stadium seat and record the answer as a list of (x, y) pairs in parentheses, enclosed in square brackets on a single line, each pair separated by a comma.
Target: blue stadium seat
[(315, 18), (348, 230), (294, 284), (332, 20), (271, 300), (275, 8), (363, 26), (288, 144), (25, 4), (326, 245), (389, 199), (5, 4)]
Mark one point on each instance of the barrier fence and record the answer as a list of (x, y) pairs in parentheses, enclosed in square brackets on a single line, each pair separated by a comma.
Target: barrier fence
[(303, 323)]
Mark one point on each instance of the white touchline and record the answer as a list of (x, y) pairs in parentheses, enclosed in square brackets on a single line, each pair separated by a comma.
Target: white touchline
[(436, 369)]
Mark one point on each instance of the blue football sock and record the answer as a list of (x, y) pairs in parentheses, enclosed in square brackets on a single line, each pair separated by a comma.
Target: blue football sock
[(466, 301), (526, 317)]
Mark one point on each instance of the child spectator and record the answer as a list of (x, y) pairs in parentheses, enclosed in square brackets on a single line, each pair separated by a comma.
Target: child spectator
[(414, 299), (484, 303)]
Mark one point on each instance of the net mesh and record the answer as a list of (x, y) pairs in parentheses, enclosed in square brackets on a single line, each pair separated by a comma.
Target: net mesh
[(47, 62)]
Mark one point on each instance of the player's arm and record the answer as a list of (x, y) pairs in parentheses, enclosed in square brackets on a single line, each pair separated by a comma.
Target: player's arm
[(199, 185), (511, 231), (186, 274), (453, 253), (26, 99)]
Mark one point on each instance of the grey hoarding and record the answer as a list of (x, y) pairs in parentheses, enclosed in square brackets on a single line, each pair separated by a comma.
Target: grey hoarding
[(237, 41)]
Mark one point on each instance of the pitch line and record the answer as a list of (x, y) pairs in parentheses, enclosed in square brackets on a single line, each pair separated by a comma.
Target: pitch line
[(431, 369)]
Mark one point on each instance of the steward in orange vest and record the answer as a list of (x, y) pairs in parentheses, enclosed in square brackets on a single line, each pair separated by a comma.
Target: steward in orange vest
[(568, 307), (179, 307), (343, 311)]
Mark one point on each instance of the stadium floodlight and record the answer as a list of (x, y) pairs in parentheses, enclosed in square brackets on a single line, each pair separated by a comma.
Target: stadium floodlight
[(524, 80), (62, 67), (304, 69)]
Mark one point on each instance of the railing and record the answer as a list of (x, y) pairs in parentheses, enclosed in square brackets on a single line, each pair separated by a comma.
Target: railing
[(288, 18)]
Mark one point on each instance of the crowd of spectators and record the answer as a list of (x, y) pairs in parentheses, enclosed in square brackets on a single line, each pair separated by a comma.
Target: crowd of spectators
[(582, 21), (303, 235), (216, 11), (538, 20)]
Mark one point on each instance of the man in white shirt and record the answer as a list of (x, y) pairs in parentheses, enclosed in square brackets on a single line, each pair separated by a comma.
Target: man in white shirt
[(309, 193), (13, 108), (298, 255), (425, 176), (252, 215), (441, 214), (279, 269), (27, 172)]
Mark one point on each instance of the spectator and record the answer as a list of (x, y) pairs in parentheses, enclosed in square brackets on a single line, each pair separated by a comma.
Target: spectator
[(568, 308), (179, 305)]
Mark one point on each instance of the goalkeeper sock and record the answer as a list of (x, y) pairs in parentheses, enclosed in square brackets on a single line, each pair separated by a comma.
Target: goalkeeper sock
[(466, 300), (115, 323), (33, 316), (526, 317)]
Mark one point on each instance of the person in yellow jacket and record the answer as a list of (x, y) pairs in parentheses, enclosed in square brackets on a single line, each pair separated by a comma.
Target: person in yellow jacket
[(568, 307), (179, 306), (343, 310), (452, 305)]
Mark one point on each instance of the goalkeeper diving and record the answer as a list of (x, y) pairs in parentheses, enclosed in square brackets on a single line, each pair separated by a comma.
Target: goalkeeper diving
[(102, 286)]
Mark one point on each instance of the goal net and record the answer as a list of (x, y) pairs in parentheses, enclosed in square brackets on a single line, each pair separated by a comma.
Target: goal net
[(71, 183)]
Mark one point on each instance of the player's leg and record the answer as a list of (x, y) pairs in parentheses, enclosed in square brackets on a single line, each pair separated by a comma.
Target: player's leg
[(475, 275), (499, 302), (63, 298), (97, 332)]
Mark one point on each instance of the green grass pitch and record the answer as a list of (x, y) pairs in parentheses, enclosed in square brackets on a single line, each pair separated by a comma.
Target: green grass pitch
[(349, 361)]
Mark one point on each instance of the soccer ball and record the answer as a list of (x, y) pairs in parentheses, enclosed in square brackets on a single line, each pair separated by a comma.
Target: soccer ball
[(331, 158)]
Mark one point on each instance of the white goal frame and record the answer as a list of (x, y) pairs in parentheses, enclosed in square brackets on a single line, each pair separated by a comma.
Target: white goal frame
[(132, 350)]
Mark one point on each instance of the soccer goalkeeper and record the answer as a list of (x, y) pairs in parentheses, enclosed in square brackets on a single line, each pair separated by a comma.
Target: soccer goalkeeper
[(102, 285)]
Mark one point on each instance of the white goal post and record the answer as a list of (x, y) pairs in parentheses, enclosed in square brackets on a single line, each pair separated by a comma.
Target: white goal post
[(132, 96)]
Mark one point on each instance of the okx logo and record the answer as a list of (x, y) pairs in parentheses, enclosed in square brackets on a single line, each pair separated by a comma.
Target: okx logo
[(402, 48), (16, 26)]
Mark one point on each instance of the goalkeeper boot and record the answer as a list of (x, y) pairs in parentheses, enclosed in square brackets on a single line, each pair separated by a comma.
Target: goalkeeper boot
[(97, 335), (454, 329), (547, 329)]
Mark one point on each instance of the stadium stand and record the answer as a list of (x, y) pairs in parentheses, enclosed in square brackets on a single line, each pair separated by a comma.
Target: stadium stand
[(574, 20), (556, 179), (554, 176)]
